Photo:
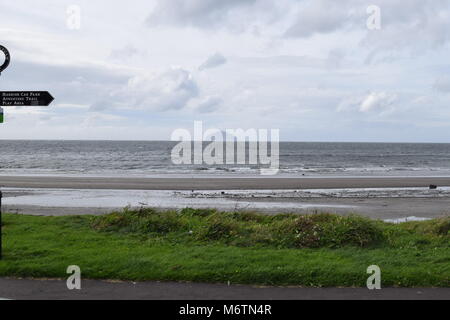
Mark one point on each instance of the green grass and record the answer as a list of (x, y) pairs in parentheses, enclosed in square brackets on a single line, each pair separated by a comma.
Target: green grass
[(245, 248)]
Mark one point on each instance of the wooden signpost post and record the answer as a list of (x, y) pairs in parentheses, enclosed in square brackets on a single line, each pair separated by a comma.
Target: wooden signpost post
[(18, 99)]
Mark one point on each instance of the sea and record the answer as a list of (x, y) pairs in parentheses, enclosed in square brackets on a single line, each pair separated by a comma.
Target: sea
[(153, 158)]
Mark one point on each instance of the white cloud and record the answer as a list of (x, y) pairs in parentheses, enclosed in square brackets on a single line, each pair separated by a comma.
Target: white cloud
[(376, 101), (372, 102)]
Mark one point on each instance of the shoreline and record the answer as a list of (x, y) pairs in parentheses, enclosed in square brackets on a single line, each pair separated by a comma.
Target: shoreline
[(376, 203), (219, 183), (48, 195)]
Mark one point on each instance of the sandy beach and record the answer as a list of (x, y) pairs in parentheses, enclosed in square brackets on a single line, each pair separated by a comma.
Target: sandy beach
[(387, 198), (216, 183)]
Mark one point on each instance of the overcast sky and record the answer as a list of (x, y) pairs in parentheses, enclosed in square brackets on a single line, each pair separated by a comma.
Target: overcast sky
[(311, 68)]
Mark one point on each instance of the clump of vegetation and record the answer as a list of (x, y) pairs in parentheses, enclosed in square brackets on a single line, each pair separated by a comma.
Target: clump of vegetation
[(246, 229), (319, 230), (141, 221), (438, 227)]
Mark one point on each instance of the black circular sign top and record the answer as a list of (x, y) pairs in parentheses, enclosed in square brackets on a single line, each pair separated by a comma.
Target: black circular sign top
[(7, 58)]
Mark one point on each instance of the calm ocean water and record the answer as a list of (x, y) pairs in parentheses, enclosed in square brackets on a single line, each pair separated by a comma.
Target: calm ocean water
[(138, 158)]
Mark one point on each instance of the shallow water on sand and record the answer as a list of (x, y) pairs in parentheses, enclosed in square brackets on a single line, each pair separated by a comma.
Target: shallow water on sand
[(390, 204), (137, 198)]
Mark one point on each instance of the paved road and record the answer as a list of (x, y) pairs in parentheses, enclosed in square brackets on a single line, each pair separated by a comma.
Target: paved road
[(95, 290)]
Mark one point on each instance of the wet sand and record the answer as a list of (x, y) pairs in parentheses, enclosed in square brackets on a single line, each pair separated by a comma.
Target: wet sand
[(376, 203), (382, 209), (218, 183), (42, 195), (375, 208)]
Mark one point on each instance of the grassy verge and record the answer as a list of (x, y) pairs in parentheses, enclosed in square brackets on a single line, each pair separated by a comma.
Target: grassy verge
[(210, 246)]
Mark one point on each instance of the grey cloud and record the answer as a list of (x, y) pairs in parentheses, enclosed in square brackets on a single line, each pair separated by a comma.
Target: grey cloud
[(69, 84), (170, 90), (266, 86), (209, 104), (442, 84), (322, 16), (233, 15), (34, 72), (100, 106), (314, 16), (335, 58), (283, 61), (124, 53), (103, 88), (213, 61), (409, 27), (415, 25), (199, 13)]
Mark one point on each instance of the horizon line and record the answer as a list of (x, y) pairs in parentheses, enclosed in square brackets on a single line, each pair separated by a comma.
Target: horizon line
[(281, 141)]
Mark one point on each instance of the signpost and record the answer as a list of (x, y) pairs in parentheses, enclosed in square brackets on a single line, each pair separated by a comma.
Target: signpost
[(25, 98), (18, 99)]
